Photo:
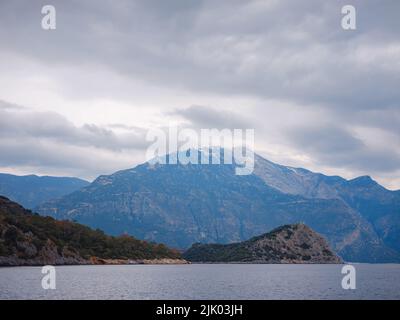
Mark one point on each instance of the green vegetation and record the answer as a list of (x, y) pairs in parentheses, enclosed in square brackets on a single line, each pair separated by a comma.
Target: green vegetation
[(295, 243), (20, 228), (218, 253)]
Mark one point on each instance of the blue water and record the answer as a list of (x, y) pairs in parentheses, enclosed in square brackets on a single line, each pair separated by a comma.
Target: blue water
[(218, 281)]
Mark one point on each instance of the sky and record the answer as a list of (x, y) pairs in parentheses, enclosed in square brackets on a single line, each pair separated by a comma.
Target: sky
[(78, 100)]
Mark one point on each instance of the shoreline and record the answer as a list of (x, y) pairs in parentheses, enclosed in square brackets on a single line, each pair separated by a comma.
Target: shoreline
[(92, 261), (149, 263)]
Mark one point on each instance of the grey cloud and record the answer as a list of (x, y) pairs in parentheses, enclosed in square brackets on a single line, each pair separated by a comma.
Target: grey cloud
[(207, 117), (10, 106), (48, 157), (279, 49), (337, 147), (52, 126), (325, 139), (386, 119), (46, 142), (123, 126)]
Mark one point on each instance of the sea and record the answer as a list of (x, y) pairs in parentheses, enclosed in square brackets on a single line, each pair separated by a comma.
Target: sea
[(202, 281)]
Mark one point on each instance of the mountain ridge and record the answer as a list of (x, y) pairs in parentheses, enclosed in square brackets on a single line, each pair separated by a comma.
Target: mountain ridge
[(183, 204), (378, 206), (31, 190)]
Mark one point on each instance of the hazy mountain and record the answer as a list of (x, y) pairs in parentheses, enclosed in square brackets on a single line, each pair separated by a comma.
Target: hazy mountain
[(183, 204), (32, 190), (295, 243)]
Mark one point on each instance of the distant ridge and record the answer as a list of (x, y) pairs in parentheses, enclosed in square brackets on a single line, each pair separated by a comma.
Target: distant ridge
[(32, 190)]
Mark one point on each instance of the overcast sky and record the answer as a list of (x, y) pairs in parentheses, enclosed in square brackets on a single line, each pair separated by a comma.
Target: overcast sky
[(78, 100)]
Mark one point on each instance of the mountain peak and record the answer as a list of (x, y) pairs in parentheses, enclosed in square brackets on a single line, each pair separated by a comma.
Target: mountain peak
[(363, 181)]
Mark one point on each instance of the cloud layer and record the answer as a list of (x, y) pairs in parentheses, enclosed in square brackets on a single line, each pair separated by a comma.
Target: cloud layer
[(48, 142), (317, 95)]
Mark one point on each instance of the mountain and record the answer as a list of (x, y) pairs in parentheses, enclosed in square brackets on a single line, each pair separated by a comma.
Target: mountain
[(29, 239), (183, 204), (32, 190), (378, 206), (295, 243)]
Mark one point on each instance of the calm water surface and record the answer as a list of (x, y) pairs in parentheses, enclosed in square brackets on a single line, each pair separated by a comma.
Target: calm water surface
[(202, 282)]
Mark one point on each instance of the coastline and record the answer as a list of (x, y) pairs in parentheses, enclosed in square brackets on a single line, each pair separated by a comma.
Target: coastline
[(164, 261), (16, 262), (98, 261)]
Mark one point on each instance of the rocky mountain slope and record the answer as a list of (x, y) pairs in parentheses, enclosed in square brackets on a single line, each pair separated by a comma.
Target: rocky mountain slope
[(29, 239), (378, 206), (183, 204), (32, 190), (287, 244)]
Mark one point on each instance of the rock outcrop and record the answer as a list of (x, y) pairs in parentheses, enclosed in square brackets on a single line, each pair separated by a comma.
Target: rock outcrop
[(295, 243)]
